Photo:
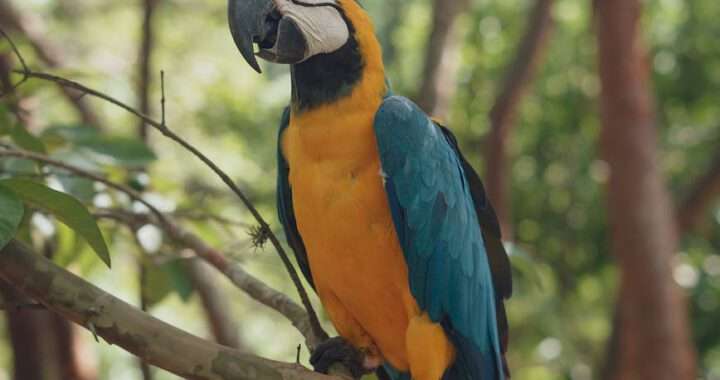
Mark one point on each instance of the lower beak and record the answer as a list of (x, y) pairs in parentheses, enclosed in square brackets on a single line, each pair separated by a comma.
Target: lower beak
[(258, 22)]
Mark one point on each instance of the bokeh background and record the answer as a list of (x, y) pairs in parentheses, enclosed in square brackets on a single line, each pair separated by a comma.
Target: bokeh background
[(566, 279)]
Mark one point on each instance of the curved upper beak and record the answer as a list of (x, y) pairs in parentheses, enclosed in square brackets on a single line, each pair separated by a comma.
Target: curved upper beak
[(247, 25), (258, 22)]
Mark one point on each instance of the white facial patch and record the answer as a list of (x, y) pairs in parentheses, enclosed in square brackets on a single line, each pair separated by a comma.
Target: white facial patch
[(322, 25)]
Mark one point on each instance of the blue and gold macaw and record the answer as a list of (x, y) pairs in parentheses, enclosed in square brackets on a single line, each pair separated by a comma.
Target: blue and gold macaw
[(388, 221)]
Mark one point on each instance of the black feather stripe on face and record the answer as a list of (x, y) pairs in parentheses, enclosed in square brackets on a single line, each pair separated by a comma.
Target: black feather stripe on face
[(311, 5), (325, 78)]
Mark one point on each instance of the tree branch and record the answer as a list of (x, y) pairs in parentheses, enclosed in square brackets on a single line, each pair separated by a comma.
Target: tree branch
[(503, 111), (120, 323), (255, 288), (162, 127)]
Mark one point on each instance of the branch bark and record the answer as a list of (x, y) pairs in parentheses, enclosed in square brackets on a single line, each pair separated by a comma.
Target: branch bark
[(140, 334), (441, 58), (32, 28), (652, 311), (504, 110)]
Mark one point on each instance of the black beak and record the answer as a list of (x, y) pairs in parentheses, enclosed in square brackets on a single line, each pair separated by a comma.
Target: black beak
[(247, 25), (258, 22)]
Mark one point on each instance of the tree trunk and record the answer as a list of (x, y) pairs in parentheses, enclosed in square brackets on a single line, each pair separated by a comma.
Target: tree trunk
[(220, 320), (147, 43), (441, 58), (28, 332), (504, 110), (654, 335)]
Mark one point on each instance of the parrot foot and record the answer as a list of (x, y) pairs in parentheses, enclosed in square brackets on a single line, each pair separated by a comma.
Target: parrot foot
[(338, 350)]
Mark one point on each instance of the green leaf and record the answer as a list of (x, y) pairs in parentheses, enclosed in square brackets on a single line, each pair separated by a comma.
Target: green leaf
[(164, 279), (5, 120), (27, 141), (81, 188), (120, 151), (66, 208), (11, 214), (18, 167), (182, 284)]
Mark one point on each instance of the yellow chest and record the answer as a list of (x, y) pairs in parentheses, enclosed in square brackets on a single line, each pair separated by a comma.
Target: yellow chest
[(344, 218)]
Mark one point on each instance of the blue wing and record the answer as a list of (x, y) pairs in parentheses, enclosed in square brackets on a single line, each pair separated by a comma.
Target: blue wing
[(286, 213), (437, 223)]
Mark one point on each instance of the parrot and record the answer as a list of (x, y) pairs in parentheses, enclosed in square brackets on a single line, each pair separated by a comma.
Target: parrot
[(388, 221)]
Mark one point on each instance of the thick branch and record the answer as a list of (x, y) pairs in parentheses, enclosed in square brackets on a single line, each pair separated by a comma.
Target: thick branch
[(120, 323), (703, 193), (32, 28), (504, 110)]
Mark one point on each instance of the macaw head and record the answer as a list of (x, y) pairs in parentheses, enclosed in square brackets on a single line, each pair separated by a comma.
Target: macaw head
[(294, 31), (330, 45)]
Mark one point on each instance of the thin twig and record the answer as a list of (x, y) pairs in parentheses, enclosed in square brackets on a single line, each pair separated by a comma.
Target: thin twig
[(167, 132), (25, 69)]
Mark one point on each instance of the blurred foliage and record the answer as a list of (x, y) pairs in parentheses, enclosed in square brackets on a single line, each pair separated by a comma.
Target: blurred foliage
[(562, 309)]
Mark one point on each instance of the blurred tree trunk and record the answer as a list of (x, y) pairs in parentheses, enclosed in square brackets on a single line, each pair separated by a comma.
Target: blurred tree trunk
[(33, 30), (77, 360), (147, 43), (29, 337), (221, 323), (503, 112), (654, 337), (44, 345), (441, 58), (144, 79)]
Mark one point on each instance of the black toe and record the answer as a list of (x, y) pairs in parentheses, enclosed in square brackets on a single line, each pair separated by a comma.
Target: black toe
[(338, 350)]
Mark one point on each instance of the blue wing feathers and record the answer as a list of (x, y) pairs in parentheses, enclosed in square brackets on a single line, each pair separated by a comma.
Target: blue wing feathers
[(286, 213), (435, 219)]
